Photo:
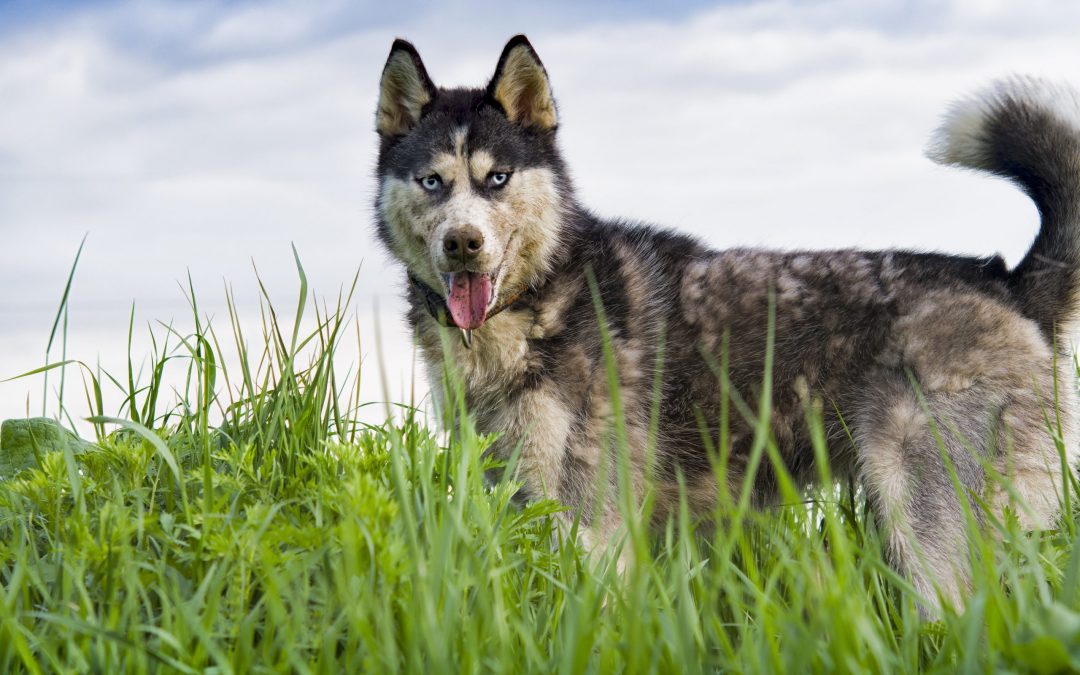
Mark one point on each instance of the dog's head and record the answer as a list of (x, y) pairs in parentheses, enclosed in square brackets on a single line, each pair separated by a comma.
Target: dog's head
[(471, 182)]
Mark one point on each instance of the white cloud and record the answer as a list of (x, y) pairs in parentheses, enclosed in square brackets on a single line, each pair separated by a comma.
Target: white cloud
[(199, 136)]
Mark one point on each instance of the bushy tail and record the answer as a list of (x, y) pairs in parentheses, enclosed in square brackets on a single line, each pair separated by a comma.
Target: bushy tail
[(1028, 131)]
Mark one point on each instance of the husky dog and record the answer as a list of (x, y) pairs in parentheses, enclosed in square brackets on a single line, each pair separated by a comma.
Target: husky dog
[(920, 357)]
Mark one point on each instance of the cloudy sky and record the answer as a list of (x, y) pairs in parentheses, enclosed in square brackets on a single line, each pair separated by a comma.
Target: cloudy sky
[(198, 137)]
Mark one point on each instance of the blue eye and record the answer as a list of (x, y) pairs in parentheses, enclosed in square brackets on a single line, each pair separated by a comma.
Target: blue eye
[(431, 183), (497, 180)]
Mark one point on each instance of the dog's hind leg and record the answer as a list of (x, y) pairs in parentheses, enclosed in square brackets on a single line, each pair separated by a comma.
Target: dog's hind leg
[(920, 474), (1030, 462)]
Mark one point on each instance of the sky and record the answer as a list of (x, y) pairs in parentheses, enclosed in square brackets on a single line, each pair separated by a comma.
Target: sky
[(207, 138)]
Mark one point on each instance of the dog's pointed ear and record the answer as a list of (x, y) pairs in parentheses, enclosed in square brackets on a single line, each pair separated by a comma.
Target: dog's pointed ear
[(404, 90), (521, 87)]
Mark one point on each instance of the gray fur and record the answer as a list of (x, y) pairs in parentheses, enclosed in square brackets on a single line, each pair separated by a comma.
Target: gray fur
[(860, 335)]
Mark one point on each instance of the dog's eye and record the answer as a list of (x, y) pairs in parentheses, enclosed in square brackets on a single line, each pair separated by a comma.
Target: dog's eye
[(498, 179), (431, 183)]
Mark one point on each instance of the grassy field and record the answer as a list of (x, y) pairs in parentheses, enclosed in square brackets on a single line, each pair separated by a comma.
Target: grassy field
[(246, 524)]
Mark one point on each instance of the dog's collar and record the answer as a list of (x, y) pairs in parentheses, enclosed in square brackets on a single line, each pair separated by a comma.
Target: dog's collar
[(436, 305)]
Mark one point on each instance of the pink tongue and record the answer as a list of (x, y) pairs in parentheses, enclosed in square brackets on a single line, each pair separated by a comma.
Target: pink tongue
[(470, 295)]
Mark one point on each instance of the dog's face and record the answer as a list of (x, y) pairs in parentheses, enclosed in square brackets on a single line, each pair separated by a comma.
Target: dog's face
[(470, 179)]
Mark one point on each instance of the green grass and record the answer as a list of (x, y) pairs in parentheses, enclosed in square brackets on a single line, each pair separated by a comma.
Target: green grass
[(247, 523)]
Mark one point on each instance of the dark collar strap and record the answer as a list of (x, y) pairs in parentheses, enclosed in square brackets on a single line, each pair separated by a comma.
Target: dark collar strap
[(436, 304)]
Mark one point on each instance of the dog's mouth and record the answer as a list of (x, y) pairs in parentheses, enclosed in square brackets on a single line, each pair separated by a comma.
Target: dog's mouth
[(469, 297)]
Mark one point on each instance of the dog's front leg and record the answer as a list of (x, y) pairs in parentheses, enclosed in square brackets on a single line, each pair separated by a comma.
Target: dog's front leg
[(557, 463)]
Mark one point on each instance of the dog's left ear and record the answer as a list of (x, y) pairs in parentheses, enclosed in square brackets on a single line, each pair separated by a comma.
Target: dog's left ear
[(521, 87)]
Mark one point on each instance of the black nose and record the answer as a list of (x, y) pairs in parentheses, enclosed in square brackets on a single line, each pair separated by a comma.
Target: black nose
[(463, 243)]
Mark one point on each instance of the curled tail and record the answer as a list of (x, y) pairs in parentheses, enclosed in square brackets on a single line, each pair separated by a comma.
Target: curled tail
[(1028, 130)]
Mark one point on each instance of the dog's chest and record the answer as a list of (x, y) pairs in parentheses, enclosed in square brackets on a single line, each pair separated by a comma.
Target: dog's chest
[(491, 370)]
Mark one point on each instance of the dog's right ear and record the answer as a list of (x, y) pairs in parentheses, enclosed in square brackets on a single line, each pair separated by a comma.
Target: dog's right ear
[(404, 90)]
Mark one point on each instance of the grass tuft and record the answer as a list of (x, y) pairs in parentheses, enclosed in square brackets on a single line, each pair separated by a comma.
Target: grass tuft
[(248, 523)]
